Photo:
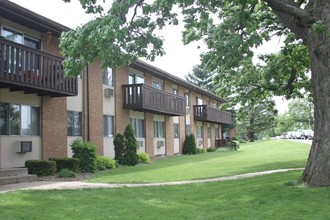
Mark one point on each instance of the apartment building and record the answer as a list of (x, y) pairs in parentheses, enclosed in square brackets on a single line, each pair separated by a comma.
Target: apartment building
[(42, 112)]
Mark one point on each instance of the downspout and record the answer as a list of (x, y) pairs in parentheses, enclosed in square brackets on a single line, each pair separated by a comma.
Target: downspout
[(87, 100)]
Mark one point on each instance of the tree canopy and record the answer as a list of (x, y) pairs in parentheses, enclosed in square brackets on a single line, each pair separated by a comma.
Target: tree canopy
[(230, 29)]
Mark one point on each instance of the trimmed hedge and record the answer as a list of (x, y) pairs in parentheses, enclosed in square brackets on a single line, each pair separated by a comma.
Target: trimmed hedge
[(66, 163), (86, 153), (41, 167)]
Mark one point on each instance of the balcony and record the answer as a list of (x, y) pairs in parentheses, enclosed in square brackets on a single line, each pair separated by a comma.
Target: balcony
[(143, 98), (209, 114), (33, 71)]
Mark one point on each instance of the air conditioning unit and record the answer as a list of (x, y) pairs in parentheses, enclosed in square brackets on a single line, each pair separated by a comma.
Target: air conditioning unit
[(23, 146), (140, 144), (160, 144), (108, 92), (200, 142)]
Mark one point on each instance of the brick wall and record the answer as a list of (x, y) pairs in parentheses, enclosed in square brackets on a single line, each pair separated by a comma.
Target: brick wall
[(53, 114), (95, 100), (169, 131), (121, 115)]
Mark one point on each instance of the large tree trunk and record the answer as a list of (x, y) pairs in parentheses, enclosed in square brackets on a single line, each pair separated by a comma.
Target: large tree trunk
[(317, 172), (300, 22)]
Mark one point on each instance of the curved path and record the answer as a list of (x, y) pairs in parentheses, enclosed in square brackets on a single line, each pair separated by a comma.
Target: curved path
[(48, 185)]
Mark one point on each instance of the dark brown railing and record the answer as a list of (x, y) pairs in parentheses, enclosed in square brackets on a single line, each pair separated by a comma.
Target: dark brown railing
[(144, 98), (33, 71), (209, 114)]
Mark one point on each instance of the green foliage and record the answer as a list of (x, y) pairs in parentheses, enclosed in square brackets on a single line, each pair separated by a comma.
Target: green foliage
[(67, 173), (200, 150), (103, 163), (143, 157), (189, 145), (41, 167), (201, 78), (125, 147), (131, 145), (86, 153), (119, 143), (66, 163), (211, 149)]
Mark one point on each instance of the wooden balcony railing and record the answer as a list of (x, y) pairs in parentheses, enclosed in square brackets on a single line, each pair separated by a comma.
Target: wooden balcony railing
[(33, 71), (209, 114), (144, 98)]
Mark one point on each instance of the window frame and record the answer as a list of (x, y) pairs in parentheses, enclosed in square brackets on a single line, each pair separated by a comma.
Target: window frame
[(108, 128), (72, 132)]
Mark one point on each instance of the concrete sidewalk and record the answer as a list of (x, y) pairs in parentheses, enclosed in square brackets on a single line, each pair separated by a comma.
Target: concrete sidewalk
[(51, 185)]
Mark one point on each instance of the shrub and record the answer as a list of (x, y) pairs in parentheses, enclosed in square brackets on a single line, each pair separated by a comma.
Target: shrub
[(119, 142), (86, 153), (125, 147), (67, 173), (211, 149), (131, 145), (41, 167), (200, 150), (189, 144), (143, 157), (103, 163), (66, 163)]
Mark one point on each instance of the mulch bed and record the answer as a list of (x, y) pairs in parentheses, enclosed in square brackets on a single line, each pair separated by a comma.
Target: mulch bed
[(78, 177)]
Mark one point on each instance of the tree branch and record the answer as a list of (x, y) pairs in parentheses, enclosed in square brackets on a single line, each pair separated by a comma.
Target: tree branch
[(290, 9)]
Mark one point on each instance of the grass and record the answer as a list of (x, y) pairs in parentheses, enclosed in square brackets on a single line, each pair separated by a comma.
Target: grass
[(263, 197), (251, 157)]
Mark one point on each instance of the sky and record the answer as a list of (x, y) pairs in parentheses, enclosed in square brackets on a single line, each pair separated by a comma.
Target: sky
[(178, 60)]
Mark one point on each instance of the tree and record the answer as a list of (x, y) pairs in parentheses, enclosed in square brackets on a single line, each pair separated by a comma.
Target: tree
[(256, 120), (231, 29), (201, 78), (301, 114)]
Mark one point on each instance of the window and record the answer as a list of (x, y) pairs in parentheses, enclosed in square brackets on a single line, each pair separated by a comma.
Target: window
[(108, 126), (21, 38), (186, 96), (74, 123), (108, 76), (176, 130), (138, 126), (135, 79), (159, 129), (209, 132), (199, 130), (19, 119), (175, 91), (217, 133), (199, 101), (157, 85)]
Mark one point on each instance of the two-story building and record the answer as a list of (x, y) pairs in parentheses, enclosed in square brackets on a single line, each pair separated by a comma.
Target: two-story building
[(42, 112)]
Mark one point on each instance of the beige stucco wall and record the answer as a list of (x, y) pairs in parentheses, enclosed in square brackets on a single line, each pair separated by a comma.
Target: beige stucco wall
[(8, 155)]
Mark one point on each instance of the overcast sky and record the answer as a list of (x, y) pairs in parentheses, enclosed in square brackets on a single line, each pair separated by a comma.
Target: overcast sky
[(179, 59)]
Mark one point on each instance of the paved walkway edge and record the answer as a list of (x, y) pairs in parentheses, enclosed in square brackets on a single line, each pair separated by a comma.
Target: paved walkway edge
[(51, 185)]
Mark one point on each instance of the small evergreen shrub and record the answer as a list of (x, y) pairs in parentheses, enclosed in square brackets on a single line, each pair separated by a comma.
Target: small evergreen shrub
[(67, 173), (211, 149), (143, 157), (41, 167), (189, 145), (125, 147), (119, 142), (103, 163), (86, 153), (66, 163)]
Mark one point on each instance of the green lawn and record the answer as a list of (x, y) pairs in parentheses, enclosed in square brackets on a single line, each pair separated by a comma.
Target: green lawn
[(251, 157), (263, 197)]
